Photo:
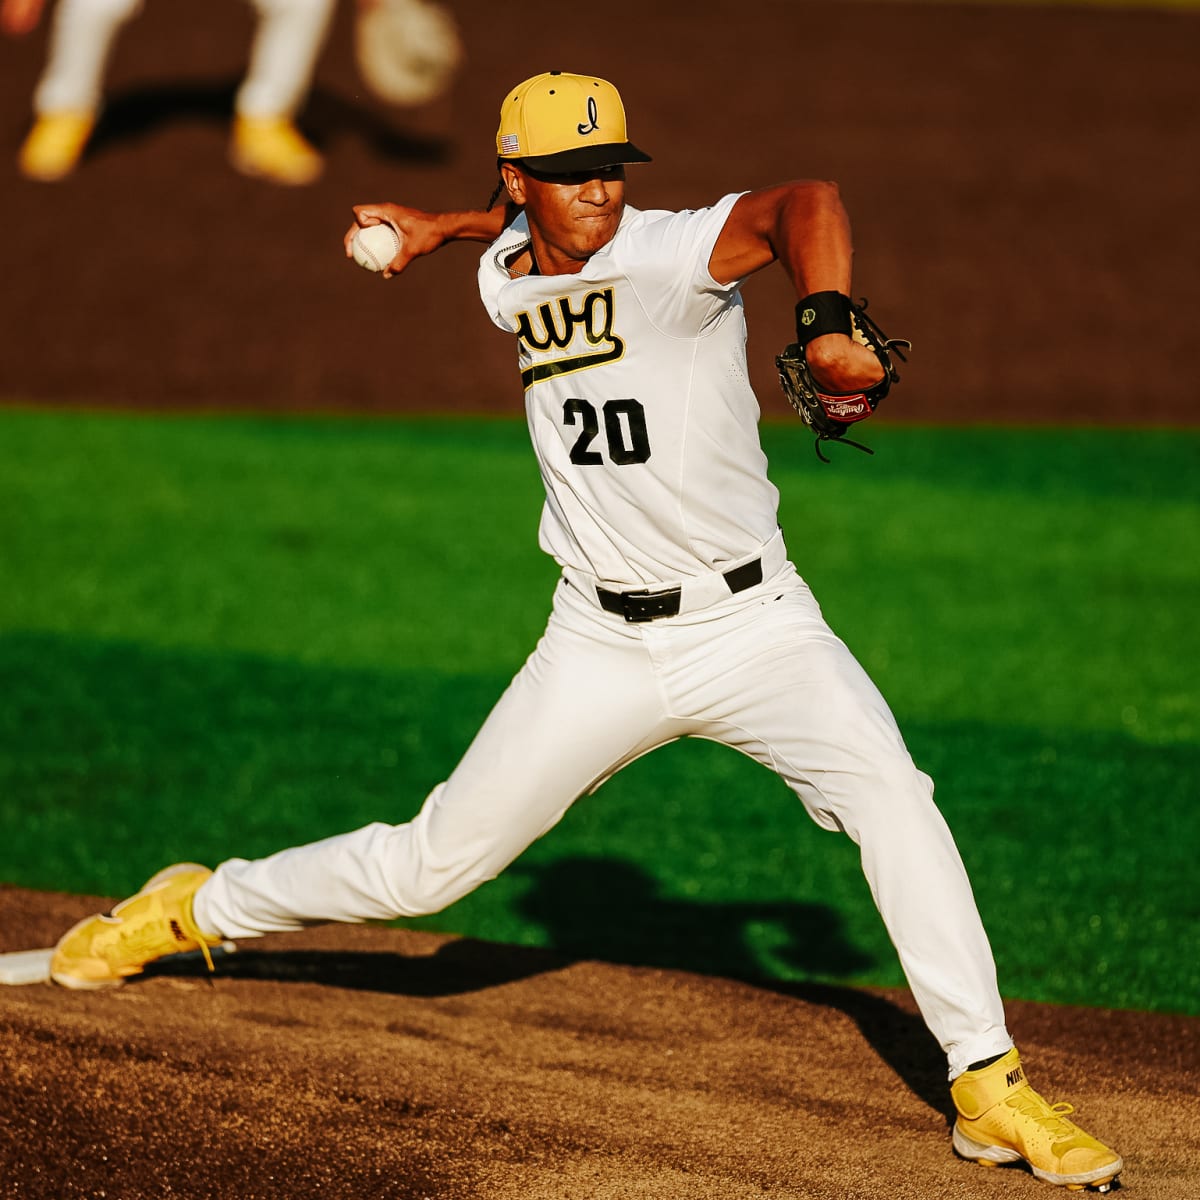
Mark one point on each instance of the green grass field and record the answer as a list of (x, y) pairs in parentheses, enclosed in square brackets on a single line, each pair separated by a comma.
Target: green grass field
[(219, 637)]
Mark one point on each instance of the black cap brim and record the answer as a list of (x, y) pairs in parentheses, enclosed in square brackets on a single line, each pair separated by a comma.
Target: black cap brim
[(587, 158)]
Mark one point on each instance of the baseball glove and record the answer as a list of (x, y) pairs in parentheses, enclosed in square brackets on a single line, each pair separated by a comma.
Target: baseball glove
[(407, 50), (830, 414)]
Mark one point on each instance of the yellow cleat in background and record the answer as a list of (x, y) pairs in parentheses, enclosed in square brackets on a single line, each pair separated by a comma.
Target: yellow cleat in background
[(55, 145), (272, 148)]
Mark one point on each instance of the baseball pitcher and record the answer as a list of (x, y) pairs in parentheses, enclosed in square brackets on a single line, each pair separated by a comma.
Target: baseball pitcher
[(679, 612)]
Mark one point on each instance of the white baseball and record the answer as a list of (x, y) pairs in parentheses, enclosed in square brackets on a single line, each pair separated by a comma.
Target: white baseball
[(375, 246)]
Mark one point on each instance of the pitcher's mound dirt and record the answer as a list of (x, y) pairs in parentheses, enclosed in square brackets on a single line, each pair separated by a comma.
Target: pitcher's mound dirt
[(356, 1062)]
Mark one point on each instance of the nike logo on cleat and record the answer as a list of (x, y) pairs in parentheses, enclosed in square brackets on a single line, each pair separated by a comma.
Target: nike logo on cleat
[(177, 931), (1013, 1077)]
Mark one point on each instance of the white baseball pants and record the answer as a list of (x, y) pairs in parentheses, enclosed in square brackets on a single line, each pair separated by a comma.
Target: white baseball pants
[(759, 671), (287, 42)]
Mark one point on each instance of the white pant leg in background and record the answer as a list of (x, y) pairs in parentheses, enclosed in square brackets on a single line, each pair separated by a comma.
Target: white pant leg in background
[(791, 695), (81, 40), (586, 701), (287, 43)]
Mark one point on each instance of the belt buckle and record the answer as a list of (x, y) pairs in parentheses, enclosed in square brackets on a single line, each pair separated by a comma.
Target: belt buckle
[(641, 606)]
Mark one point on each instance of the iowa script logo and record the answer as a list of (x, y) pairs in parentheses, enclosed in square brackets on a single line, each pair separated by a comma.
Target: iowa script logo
[(587, 332)]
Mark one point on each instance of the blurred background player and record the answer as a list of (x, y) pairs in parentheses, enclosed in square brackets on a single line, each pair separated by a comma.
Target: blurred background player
[(265, 141)]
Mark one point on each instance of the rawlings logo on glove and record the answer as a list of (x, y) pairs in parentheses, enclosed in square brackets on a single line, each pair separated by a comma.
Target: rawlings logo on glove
[(827, 413), (848, 409)]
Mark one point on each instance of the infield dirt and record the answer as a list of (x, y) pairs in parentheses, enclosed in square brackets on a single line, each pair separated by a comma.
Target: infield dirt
[(369, 1062), (1024, 189)]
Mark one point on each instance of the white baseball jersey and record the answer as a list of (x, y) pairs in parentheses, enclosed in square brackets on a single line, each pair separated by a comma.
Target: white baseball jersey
[(638, 401)]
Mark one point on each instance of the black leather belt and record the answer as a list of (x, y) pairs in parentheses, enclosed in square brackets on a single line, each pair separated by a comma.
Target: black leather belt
[(645, 605)]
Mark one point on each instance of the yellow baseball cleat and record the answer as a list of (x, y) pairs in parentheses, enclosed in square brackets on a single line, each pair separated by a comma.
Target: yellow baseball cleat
[(272, 148), (103, 951), (55, 145), (1001, 1119)]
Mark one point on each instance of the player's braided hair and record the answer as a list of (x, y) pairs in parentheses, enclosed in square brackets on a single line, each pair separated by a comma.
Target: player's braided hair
[(499, 182)]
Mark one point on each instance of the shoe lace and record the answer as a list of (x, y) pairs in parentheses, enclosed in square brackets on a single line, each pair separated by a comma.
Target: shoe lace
[(146, 937), (208, 962), (1052, 1117)]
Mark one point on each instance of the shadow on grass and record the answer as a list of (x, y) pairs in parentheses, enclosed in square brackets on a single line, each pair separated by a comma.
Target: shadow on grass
[(612, 910)]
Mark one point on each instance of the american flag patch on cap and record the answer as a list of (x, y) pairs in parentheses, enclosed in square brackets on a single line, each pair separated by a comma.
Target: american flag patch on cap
[(510, 144)]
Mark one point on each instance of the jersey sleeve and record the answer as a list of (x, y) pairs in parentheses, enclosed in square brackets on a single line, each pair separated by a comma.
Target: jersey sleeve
[(668, 255)]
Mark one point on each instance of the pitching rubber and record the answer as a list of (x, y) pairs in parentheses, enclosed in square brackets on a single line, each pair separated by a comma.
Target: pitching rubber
[(19, 967)]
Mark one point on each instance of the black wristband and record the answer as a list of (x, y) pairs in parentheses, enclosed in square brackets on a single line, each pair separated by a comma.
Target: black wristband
[(822, 313)]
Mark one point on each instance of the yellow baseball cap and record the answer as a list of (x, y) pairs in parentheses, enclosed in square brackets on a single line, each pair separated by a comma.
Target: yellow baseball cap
[(562, 123)]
